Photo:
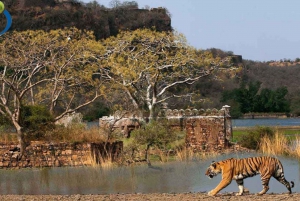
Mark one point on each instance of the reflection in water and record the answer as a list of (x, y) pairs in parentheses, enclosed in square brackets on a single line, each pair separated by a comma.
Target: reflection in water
[(162, 178)]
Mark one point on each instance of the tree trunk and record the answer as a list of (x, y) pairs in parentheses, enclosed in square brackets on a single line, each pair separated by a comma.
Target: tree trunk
[(151, 112), (134, 102), (21, 137), (146, 154)]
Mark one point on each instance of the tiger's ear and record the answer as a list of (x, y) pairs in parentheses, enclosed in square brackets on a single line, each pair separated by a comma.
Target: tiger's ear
[(214, 164)]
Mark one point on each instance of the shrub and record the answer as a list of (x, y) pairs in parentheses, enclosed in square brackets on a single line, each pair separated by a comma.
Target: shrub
[(252, 139), (36, 120), (154, 134)]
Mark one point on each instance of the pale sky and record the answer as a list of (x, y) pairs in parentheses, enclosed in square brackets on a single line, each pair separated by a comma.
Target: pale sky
[(259, 30)]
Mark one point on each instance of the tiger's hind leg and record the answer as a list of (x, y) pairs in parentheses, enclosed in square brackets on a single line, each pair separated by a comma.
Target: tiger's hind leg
[(265, 183), (282, 180)]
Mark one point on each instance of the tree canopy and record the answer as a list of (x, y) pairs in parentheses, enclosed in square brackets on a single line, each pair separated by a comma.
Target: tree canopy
[(148, 64), (54, 69), (251, 98)]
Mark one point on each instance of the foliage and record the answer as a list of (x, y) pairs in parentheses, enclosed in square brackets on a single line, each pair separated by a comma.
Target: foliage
[(125, 4), (295, 103), (148, 65), (95, 111), (104, 22), (248, 99), (154, 134), (252, 139), (36, 120), (54, 69)]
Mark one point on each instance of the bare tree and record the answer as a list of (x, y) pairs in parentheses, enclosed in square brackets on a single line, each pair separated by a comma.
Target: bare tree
[(50, 68)]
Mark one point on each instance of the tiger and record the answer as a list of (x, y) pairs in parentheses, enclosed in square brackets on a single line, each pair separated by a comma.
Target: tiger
[(239, 169)]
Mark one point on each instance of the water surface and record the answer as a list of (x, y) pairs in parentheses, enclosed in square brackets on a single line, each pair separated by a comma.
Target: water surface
[(172, 177), (265, 122)]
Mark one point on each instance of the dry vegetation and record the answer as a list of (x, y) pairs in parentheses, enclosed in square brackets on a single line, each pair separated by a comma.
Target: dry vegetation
[(279, 144)]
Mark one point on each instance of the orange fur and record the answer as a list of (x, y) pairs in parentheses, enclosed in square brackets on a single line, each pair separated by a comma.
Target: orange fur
[(239, 169)]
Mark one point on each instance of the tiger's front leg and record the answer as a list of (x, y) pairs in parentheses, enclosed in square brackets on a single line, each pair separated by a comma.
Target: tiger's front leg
[(240, 183), (221, 185)]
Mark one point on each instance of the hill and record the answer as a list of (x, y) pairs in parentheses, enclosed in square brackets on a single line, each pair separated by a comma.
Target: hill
[(105, 22)]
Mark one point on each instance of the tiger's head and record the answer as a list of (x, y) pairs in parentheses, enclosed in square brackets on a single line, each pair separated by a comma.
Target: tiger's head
[(213, 170)]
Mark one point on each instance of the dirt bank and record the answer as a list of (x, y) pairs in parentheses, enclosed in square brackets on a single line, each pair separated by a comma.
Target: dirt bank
[(151, 197)]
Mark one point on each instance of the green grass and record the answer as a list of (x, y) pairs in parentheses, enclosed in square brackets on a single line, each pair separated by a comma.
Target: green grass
[(290, 132)]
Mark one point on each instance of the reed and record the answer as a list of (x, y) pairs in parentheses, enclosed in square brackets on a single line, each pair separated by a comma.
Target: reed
[(276, 145), (296, 147), (75, 133), (8, 138), (187, 154), (96, 159)]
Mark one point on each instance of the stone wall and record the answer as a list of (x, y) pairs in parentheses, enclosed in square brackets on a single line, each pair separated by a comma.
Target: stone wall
[(42, 154), (206, 130), (69, 119)]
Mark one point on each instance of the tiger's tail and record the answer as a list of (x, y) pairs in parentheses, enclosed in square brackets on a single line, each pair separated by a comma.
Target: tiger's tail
[(292, 184)]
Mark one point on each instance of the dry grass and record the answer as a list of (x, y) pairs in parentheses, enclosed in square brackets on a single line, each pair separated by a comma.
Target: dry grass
[(187, 154), (278, 144), (162, 155), (97, 160), (296, 147), (75, 133), (8, 138)]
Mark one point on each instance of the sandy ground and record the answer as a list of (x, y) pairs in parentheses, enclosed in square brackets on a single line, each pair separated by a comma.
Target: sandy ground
[(151, 197)]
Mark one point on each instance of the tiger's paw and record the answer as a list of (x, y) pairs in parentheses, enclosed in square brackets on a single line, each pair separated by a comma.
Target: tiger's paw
[(239, 194), (246, 190), (210, 193)]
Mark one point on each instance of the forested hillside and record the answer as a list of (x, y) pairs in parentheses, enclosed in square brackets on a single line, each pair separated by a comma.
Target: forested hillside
[(256, 78), (105, 22), (213, 90)]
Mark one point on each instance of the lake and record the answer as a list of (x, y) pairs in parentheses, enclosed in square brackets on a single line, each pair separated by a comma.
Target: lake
[(172, 177), (265, 122)]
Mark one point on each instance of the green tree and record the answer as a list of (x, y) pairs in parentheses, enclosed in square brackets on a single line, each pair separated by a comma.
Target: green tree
[(35, 120), (147, 65), (155, 133), (248, 98)]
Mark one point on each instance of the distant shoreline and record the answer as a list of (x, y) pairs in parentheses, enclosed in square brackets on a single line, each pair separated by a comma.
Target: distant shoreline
[(277, 126), (267, 116)]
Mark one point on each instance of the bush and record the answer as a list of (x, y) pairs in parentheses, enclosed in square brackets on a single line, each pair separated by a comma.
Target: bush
[(36, 120), (156, 134), (252, 139)]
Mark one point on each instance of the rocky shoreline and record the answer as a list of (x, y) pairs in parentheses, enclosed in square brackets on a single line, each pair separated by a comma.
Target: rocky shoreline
[(151, 197)]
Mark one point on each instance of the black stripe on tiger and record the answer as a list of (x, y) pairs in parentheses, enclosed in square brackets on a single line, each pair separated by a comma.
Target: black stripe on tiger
[(239, 169)]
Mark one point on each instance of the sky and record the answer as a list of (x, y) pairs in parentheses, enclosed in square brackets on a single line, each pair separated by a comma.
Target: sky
[(259, 30)]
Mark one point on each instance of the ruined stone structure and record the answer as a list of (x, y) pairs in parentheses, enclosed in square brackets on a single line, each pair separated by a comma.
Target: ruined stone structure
[(123, 121), (45, 154), (206, 130), (69, 119), (210, 131)]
